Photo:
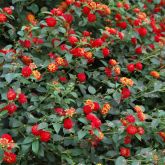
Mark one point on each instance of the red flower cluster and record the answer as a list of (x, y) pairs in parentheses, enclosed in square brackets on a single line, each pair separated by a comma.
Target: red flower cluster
[(7, 144), (125, 152), (51, 22), (45, 136), (11, 95), (81, 77), (26, 71), (68, 123), (3, 16)]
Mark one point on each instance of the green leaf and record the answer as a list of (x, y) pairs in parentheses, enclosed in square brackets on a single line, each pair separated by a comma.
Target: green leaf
[(34, 8), (76, 152), (120, 161), (91, 89), (68, 57), (157, 1), (138, 136), (3, 113), (1, 154), (81, 134), (42, 125), (27, 140), (57, 127), (35, 146), (11, 76), (83, 120), (116, 97), (157, 85), (136, 163)]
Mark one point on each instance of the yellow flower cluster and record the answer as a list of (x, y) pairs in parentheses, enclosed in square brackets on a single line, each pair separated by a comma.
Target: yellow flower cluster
[(126, 81), (106, 108), (70, 112)]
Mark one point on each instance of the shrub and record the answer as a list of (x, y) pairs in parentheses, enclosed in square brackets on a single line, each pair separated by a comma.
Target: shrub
[(82, 82)]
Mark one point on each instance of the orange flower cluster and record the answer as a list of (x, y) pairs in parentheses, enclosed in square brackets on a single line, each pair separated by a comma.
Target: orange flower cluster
[(96, 138), (60, 61), (70, 112), (90, 103), (155, 74), (6, 144), (31, 18), (52, 67), (162, 135), (104, 9), (141, 116), (126, 81), (105, 109), (37, 74)]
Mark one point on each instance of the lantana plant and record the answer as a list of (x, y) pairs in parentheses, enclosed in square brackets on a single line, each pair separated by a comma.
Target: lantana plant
[(82, 82)]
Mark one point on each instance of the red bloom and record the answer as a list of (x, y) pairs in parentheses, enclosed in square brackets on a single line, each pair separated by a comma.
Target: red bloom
[(69, 2), (63, 79), (11, 108), (77, 52), (118, 17), (122, 25), (139, 66), (9, 157), (68, 123), (38, 41), (119, 4), (141, 130), (142, 31), (11, 94), (26, 60), (105, 52), (87, 109), (97, 42), (134, 40), (151, 46), (126, 6), (86, 10), (26, 71), (45, 136), (108, 72), (8, 10), (59, 111), (124, 152), (130, 118), (3, 18), (131, 129), (137, 22), (91, 17), (51, 22), (22, 98), (157, 38), (86, 33), (96, 123), (68, 18), (138, 50), (81, 77), (91, 117), (120, 35), (127, 140), (35, 130), (130, 67), (125, 93), (96, 106), (7, 136), (73, 40), (26, 43)]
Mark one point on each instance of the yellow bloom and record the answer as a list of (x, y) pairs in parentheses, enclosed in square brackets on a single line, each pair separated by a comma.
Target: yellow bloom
[(70, 112), (90, 103)]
